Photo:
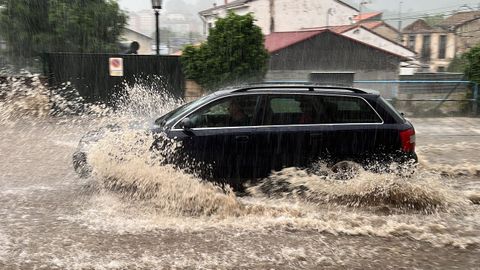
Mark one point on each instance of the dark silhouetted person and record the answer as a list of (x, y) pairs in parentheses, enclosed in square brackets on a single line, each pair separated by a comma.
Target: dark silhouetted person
[(308, 112), (237, 115), (134, 46)]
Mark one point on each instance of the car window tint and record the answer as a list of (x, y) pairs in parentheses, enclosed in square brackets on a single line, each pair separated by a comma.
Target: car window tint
[(317, 109), (228, 112), (343, 110), (292, 110), (285, 105)]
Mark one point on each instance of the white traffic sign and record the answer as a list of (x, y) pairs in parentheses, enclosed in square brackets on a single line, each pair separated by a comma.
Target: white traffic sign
[(116, 67)]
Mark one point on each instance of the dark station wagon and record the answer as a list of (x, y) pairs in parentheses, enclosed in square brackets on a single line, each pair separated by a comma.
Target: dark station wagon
[(248, 132)]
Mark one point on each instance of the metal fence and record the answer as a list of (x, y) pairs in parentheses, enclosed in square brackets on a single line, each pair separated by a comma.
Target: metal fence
[(429, 97), (89, 74)]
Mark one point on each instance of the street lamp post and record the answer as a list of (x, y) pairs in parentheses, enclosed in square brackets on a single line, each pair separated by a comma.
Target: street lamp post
[(157, 5)]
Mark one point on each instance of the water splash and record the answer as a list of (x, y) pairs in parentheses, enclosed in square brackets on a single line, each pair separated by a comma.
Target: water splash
[(134, 192), (422, 191)]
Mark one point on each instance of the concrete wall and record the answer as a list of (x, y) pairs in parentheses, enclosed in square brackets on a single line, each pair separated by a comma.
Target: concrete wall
[(375, 40), (192, 90), (386, 90), (290, 15), (295, 15), (434, 90)]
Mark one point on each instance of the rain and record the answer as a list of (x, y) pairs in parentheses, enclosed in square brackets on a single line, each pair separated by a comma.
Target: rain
[(91, 177)]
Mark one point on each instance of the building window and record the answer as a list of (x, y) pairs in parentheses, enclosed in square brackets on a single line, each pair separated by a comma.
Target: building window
[(411, 42), (442, 47), (441, 69), (426, 47)]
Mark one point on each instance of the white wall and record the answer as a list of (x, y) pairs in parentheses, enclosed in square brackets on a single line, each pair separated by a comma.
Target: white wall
[(292, 15), (375, 40), (295, 15), (145, 42)]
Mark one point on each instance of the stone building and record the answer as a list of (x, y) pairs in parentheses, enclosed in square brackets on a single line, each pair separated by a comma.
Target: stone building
[(437, 45)]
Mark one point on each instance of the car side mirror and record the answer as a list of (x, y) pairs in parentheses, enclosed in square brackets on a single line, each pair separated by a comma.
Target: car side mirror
[(186, 124)]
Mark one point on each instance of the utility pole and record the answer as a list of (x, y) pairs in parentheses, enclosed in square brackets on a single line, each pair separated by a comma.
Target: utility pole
[(400, 22), (360, 8)]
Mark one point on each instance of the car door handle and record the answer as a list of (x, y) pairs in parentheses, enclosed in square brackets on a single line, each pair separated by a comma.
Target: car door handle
[(242, 138)]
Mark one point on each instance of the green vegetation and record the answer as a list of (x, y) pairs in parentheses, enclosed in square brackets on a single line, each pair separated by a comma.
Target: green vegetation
[(234, 52), (472, 67), (433, 19), (469, 63), (31, 27), (457, 65)]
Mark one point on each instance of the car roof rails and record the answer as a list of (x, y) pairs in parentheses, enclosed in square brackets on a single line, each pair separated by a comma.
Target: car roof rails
[(296, 85)]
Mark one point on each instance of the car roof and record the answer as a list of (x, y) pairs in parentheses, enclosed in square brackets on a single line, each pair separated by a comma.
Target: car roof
[(294, 88)]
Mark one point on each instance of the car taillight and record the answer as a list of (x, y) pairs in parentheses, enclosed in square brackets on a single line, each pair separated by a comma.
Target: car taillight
[(408, 140)]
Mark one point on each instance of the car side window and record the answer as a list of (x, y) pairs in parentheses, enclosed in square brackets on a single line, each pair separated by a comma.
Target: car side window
[(292, 110), (317, 109), (344, 110), (238, 111)]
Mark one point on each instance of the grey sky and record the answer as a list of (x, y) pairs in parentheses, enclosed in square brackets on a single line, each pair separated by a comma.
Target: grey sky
[(414, 7)]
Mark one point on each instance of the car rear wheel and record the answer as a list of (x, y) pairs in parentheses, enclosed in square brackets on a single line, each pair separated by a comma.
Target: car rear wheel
[(346, 170)]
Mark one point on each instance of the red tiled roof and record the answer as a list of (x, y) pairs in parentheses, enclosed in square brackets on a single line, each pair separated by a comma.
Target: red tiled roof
[(366, 16), (371, 25), (280, 40), (339, 29)]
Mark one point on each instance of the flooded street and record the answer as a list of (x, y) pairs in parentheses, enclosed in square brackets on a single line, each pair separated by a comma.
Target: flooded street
[(113, 113), (50, 218)]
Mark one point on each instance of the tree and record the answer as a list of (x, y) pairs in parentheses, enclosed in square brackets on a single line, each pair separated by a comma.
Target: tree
[(32, 27), (457, 64), (234, 52), (472, 67), (433, 20)]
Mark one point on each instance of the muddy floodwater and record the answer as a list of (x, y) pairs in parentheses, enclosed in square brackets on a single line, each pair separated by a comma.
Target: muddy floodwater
[(51, 219)]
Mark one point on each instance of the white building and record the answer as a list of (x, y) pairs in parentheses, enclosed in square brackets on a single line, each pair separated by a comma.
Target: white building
[(145, 42), (284, 15)]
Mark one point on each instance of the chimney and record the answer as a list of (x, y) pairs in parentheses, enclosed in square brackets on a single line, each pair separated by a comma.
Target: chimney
[(214, 5)]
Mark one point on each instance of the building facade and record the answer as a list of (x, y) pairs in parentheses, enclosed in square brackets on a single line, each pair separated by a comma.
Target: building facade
[(284, 15), (374, 21), (301, 55), (437, 45)]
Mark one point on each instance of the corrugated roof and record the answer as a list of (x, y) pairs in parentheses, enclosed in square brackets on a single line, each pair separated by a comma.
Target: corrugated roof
[(281, 40), (366, 16), (460, 18)]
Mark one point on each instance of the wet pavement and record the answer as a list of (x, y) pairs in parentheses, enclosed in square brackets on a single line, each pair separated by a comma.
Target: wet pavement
[(51, 219)]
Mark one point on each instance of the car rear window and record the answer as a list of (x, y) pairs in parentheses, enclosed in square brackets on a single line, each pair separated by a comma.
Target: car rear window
[(318, 109), (343, 110)]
